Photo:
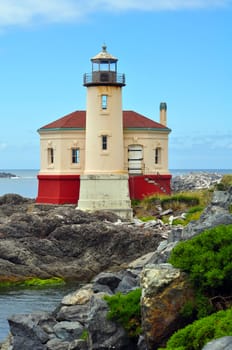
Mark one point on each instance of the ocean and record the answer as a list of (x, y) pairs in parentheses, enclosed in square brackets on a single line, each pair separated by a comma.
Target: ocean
[(26, 184)]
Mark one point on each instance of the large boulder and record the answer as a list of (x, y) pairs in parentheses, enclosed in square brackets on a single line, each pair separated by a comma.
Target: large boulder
[(165, 290), (27, 331)]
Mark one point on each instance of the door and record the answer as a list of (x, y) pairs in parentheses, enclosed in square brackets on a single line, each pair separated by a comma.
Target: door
[(135, 159)]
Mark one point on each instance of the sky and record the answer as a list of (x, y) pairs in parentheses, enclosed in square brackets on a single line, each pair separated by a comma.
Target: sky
[(173, 51)]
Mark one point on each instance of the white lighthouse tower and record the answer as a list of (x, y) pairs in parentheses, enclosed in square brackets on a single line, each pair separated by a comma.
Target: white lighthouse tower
[(104, 184)]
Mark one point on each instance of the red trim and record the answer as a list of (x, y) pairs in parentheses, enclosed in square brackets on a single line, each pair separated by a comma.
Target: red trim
[(58, 189), (65, 189)]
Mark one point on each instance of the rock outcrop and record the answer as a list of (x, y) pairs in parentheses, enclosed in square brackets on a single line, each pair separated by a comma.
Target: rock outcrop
[(46, 241), (216, 213), (195, 181)]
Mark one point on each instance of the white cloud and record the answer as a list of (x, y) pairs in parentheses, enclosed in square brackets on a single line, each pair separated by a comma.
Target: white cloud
[(24, 12), (29, 12)]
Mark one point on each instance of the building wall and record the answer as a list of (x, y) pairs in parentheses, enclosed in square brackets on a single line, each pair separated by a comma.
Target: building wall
[(63, 142)]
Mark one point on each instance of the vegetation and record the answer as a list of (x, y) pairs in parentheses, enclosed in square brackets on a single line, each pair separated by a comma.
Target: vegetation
[(84, 335), (32, 283), (125, 309), (191, 203), (192, 214), (207, 259), (200, 332), (225, 183)]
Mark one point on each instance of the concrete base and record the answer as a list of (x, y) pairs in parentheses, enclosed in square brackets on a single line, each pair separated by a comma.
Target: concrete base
[(105, 192)]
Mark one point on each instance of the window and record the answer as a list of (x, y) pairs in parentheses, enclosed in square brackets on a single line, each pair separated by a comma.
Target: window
[(157, 155), (75, 155), (104, 142), (104, 101), (50, 155)]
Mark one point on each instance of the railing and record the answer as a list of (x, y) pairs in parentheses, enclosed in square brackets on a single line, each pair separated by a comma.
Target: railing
[(104, 77)]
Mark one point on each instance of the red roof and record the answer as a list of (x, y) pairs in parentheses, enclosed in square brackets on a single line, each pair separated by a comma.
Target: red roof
[(131, 120)]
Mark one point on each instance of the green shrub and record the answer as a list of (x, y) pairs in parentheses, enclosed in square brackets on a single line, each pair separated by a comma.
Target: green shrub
[(125, 309), (179, 201), (207, 260), (200, 332), (84, 335), (195, 209), (196, 309), (135, 202)]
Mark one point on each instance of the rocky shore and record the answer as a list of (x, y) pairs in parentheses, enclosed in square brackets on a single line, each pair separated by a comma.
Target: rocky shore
[(111, 256), (6, 175), (194, 181)]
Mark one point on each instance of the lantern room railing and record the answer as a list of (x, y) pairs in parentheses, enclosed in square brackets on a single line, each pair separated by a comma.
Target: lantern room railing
[(104, 78)]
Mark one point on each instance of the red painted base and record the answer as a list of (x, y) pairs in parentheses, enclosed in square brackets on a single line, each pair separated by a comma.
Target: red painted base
[(58, 189), (146, 185), (64, 189)]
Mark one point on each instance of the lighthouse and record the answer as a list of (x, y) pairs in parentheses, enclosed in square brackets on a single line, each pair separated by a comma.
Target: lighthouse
[(104, 182), (102, 157)]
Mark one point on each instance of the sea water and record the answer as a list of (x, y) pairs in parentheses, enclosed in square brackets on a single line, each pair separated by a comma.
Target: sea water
[(18, 301), (24, 182)]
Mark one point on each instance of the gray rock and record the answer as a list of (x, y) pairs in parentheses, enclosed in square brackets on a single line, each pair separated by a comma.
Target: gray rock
[(102, 288), (27, 332), (68, 331), (111, 280), (217, 213), (73, 313), (224, 343), (129, 282), (104, 333), (56, 344)]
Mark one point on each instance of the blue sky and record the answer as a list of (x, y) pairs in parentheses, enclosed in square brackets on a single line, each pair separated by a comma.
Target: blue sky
[(175, 51)]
